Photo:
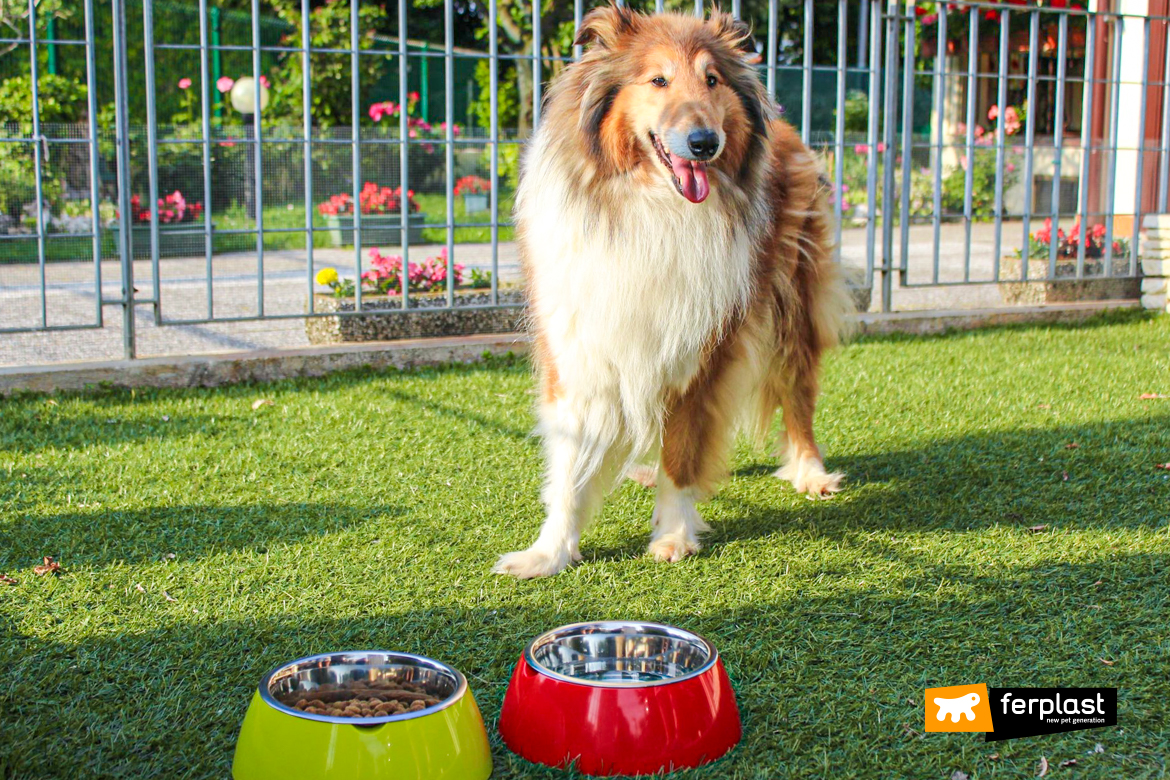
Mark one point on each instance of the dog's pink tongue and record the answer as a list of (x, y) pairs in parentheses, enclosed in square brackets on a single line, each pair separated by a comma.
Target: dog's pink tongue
[(693, 178)]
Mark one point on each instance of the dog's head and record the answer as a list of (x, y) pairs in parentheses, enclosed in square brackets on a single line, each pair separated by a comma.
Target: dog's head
[(673, 92)]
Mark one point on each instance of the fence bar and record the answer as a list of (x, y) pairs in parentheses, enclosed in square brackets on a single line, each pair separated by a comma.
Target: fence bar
[(307, 119), (122, 132), (577, 11), (38, 162), (205, 108), (839, 166), (449, 134), (1086, 141), (735, 10), (355, 138), (1141, 153), (910, 30), (536, 69), (658, 6), (494, 108), (806, 93), (770, 62), (152, 152), (258, 185), (94, 158), (875, 29), (887, 161), (1030, 138), (1058, 131), (940, 94), (1114, 120), (699, 8), (1164, 163), (403, 150), (969, 178), (1000, 136)]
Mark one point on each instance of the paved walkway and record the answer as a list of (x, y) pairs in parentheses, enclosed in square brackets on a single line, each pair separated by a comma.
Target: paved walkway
[(71, 295)]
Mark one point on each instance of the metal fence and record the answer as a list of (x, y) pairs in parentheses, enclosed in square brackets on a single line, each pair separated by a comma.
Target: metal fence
[(950, 131)]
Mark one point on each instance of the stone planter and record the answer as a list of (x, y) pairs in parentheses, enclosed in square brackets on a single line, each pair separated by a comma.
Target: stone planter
[(1066, 288), (377, 229), (473, 202), (183, 239), (428, 316)]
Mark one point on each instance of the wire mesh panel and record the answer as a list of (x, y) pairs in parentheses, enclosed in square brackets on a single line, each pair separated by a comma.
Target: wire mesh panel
[(245, 178)]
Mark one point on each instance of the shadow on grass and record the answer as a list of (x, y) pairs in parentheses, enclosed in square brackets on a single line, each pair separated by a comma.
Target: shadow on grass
[(822, 681), (99, 537)]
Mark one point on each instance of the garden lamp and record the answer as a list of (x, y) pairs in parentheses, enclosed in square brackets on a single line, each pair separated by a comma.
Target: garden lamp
[(243, 95)]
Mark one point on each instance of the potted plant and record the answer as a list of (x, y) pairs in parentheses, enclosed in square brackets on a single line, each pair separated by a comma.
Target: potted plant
[(381, 216), (1066, 287), (180, 226), (474, 191)]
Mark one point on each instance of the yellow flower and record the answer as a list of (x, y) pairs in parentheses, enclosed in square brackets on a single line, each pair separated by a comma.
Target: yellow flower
[(327, 276)]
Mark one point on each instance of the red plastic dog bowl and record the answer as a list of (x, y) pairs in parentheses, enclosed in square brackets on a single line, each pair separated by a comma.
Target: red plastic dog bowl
[(620, 697)]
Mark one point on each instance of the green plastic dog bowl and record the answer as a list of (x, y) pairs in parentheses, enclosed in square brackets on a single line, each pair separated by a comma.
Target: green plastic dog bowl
[(446, 741)]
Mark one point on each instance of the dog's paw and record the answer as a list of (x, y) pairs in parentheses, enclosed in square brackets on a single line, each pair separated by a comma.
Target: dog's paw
[(530, 563), (672, 548), (808, 476), (646, 476)]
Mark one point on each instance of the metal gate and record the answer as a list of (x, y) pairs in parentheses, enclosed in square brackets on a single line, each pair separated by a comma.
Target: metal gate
[(957, 137)]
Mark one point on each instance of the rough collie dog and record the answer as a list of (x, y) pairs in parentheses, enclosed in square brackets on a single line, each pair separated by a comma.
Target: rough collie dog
[(675, 240)]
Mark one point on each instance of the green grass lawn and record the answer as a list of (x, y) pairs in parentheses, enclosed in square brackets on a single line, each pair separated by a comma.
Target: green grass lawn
[(203, 542)]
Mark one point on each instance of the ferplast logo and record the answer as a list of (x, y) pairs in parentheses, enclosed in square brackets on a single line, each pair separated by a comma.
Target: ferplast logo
[(1008, 713), (958, 708)]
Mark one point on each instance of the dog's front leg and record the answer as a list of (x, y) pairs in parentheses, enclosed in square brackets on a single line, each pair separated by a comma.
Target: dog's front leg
[(581, 465)]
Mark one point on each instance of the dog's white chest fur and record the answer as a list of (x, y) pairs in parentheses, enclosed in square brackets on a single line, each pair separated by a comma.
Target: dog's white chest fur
[(628, 299)]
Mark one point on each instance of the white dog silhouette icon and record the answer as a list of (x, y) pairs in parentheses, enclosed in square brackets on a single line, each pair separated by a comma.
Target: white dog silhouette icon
[(962, 705)]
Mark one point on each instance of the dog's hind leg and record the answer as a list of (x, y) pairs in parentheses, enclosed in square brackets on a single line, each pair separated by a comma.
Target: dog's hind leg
[(803, 467), (583, 461)]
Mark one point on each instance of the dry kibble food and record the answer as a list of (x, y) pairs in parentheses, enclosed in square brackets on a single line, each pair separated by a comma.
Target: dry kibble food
[(361, 699)]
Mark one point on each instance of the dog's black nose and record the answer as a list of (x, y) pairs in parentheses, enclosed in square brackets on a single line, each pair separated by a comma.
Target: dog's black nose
[(703, 143)]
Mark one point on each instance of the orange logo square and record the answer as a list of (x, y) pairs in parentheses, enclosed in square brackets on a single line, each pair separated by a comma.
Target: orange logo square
[(958, 708)]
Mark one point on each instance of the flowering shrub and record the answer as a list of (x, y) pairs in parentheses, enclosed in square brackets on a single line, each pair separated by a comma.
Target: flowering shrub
[(1068, 244), (472, 185), (172, 209), (385, 275), (416, 127), (374, 200)]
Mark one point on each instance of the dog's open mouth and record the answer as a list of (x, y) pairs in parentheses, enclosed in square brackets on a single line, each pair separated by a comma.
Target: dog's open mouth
[(690, 176)]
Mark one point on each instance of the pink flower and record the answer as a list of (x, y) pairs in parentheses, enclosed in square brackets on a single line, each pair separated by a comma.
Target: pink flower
[(930, 19), (264, 82), (861, 149), (979, 131), (961, 128), (412, 96), (1011, 167), (881, 147), (1011, 121), (376, 112), (184, 83), (224, 84), (992, 113), (963, 161)]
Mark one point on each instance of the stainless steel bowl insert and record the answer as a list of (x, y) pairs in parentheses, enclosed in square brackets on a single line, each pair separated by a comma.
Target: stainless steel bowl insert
[(621, 654), (340, 669)]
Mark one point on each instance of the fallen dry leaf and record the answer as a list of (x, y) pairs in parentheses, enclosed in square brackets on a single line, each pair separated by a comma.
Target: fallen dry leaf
[(138, 587), (1095, 584), (994, 757), (1165, 466), (1038, 528), (1152, 396), (1072, 445), (261, 402), (912, 732), (1069, 762), (6, 580), (1043, 406), (1065, 474), (1042, 767), (166, 418), (48, 567), (168, 596), (169, 556), (51, 402), (958, 775), (1106, 661)]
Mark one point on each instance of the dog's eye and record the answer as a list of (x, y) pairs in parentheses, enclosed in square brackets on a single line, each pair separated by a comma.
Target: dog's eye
[(658, 81), (712, 81)]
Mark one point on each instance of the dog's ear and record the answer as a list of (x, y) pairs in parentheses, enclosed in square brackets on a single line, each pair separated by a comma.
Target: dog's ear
[(734, 32), (603, 26)]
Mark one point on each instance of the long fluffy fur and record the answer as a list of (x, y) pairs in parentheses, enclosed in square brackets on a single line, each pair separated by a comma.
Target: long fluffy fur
[(663, 326)]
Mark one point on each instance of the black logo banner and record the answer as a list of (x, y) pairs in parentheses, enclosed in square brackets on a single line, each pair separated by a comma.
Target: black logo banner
[(1026, 712)]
